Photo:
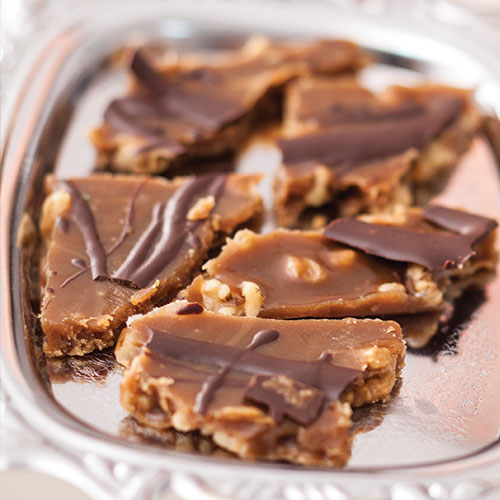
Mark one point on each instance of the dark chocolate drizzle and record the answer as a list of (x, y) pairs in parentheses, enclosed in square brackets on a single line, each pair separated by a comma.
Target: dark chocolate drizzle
[(475, 227), (170, 230), (193, 102), (210, 386), (192, 308), (355, 142), (201, 104), (260, 389), (434, 250), (168, 227), (139, 251), (85, 221), (127, 227), (320, 374), (129, 217), (207, 108), (73, 277)]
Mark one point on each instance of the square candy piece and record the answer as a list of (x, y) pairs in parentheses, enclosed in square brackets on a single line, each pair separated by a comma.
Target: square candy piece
[(261, 388), (117, 245), (352, 151)]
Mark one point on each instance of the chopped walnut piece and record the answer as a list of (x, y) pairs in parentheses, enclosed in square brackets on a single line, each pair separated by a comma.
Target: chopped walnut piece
[(53, 206), (378, 357), (424, 285), (319, 221), (304, 268), (201, 209), (319, 194), (228, 310), (344, 258), (213, 291), (392, 287), (253, 298)]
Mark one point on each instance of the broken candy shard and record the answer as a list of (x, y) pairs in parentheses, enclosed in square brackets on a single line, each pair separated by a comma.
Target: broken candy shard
[(271, 389), (127, 243), (349, 151), (304, 274)]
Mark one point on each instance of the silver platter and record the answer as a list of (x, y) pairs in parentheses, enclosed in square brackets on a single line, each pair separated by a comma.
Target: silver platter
[(439, 436)]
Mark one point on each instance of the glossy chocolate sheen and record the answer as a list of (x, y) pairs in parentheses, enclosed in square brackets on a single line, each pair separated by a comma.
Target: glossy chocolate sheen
[(474, 227), (371, 135), (437, 250), (321, 102), (303, 274), (202, 99), (195, 349), (118, 214)]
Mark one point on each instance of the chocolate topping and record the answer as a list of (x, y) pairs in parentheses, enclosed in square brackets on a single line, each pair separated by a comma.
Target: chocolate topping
[(284, 396), (192, 308), (475, 227), (436, 251), (197, 101), (208, 108), (170, 230), (205, 396), (139, 251), (330, 379), (378, 136), (84, 219), (127, 228), (136, 115), (146, 74)]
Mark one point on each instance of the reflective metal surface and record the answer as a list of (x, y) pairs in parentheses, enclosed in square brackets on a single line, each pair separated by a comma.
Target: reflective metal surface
[(437, 438)]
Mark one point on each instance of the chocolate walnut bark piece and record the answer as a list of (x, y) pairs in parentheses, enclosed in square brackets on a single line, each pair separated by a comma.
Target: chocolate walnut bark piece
[(399, 264), (353, 151), (261, 388), (195, 109), (117, 245)]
